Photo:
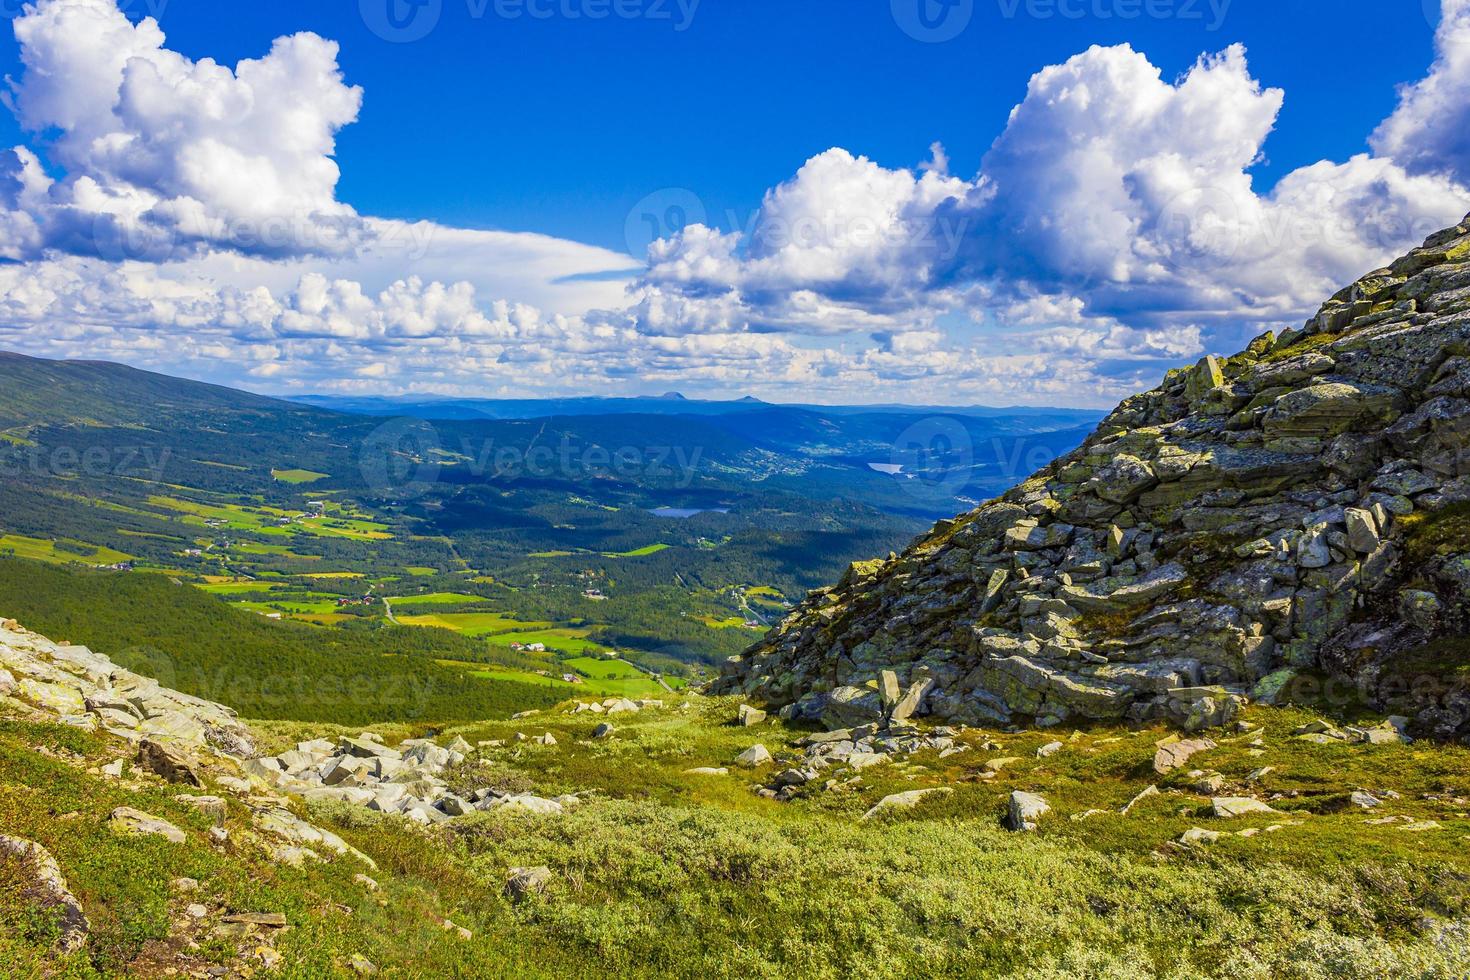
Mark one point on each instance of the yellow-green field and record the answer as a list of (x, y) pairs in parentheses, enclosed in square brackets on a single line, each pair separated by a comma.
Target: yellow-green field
[(471, 624), (635, 686), (563, 639), (44, 550), (298, 476), (267, 520), (650, 549), (438, 599), (238, 588)]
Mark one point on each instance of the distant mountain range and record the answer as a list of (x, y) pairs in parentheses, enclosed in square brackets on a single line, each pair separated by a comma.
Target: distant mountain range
[(912, 461), (672, 403)]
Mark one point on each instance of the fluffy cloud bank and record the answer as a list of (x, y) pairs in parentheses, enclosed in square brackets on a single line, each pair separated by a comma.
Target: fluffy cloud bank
[(1112, 195), (183, 215)]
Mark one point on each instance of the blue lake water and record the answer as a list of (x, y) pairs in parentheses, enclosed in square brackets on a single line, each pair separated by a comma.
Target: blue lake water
[(687, 511)]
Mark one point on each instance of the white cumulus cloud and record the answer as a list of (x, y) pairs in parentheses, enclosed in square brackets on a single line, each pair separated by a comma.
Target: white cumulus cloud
[(164, 155)]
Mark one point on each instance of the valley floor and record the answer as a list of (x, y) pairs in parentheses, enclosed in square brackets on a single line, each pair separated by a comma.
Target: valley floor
[(669, 867)]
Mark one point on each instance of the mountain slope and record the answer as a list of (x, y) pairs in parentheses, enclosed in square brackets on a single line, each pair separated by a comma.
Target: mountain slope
[(1296, 506), (36, 391)]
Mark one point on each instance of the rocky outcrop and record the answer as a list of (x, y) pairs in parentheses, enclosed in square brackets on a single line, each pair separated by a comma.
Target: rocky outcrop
[(1244, 520), (86, 689), (188, 741)]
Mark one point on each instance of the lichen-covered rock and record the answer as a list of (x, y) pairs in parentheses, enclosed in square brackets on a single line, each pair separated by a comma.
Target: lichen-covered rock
[(45, 889), (1245, 518), (1023, 810), (128, 822)]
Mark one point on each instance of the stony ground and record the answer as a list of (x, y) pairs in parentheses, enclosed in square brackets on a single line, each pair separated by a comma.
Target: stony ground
[(699, 838)]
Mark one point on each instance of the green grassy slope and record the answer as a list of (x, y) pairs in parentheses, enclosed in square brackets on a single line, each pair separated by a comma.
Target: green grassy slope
[(665, 873)]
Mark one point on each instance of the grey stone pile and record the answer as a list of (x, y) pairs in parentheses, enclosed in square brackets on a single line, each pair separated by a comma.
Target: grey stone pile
[(408, 780)]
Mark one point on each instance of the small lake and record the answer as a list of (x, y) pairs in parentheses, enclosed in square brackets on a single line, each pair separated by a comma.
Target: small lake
[(687, 511)]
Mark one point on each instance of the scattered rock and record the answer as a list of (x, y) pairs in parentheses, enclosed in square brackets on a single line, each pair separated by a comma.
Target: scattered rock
[(170, 762), (904, 801), (1173, 754), (1238, 806), (753, 757), (1023, 810), (135, 823), (45, 888), (524, 882), (1145, 794)]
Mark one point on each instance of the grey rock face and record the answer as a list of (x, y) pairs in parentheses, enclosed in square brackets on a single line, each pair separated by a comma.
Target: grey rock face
[(1242, 519)]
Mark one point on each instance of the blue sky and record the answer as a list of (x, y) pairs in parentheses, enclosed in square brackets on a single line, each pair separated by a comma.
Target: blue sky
[(457, 206), (560, 126)]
